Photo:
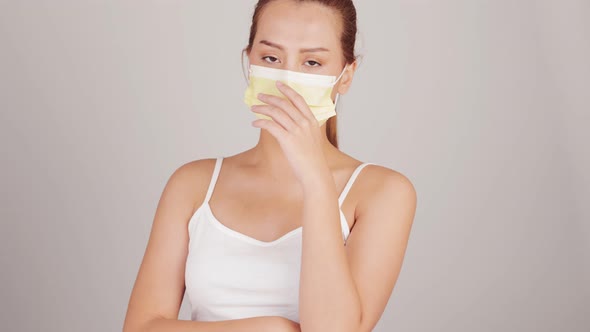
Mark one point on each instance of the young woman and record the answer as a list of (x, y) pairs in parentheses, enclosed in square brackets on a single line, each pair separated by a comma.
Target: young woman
[(292, 234)]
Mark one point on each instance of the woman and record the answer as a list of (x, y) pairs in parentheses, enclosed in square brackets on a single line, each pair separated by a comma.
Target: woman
[(258, 243)]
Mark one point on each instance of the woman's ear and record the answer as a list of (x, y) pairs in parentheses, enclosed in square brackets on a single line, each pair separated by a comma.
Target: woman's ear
[(244, 69), (347, 76), (245, 53)]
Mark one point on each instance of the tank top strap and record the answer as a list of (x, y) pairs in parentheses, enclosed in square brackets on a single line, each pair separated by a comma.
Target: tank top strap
[(214, 177), (351, 181)]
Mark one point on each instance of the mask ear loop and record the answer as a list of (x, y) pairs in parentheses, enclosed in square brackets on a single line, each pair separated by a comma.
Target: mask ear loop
[(246, 78), (342, 73), (336, 81), (359, 60)]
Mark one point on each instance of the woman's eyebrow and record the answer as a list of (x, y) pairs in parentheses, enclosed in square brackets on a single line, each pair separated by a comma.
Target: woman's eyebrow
[(303, 50)]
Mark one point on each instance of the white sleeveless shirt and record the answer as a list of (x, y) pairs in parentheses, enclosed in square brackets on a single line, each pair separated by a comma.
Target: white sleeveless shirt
[(229, 275)]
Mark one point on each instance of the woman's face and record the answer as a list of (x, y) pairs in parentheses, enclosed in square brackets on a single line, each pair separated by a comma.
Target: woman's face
[(302, 37)]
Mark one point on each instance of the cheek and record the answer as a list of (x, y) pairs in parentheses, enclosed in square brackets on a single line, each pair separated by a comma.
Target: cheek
[(254, 59)]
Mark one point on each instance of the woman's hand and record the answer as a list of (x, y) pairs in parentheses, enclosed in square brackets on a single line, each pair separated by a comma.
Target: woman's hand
[(297, 131)]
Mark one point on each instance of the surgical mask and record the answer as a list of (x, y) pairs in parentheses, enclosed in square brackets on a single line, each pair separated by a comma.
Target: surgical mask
[(315, 89)]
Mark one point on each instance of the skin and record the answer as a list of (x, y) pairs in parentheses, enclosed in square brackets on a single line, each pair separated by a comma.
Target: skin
[(292, 177)]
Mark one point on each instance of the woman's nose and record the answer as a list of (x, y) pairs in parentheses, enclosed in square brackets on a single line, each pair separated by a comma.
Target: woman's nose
[(291, 66)]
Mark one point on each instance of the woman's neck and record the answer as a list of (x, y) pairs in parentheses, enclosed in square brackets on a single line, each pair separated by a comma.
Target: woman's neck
[(269, 156)]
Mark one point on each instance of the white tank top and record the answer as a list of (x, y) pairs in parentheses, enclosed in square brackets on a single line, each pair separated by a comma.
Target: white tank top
[(230, 275)]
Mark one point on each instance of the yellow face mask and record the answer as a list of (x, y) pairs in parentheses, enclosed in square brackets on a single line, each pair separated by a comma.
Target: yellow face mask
[(315, 89)]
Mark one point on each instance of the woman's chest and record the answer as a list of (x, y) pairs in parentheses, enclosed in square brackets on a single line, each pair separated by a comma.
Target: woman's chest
[(229, 278)]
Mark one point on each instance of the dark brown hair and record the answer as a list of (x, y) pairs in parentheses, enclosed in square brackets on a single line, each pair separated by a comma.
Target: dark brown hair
[(348, 39)]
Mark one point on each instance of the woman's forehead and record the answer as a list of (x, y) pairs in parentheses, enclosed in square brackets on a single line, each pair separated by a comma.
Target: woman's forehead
[(299, 25)]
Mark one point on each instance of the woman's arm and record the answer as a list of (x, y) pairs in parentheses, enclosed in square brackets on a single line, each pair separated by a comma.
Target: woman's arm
[(254, 324), (157, 295), (346, 288)]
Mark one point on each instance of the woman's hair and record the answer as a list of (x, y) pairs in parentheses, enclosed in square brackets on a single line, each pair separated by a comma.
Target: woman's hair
[(348, 39)]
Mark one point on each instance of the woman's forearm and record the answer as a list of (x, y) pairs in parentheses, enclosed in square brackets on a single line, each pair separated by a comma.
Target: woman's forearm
[(329, 300), (253, 324)]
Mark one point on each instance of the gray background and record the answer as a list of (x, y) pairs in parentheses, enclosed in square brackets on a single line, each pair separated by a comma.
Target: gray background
[(484, 105)]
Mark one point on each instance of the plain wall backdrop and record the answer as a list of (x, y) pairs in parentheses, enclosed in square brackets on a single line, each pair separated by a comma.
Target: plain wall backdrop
[(483, 104)]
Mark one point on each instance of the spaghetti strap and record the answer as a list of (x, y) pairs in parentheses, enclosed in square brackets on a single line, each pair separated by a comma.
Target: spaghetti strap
[(214, 177), (351, 181)]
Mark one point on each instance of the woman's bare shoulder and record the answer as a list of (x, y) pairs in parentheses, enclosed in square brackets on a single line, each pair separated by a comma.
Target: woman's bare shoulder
[(386, 176), (195, 169), (374, 174), (193, 177), (380, 180)]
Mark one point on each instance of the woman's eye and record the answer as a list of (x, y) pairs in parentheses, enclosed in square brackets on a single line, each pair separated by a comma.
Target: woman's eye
[(313, 63), (270, 59)]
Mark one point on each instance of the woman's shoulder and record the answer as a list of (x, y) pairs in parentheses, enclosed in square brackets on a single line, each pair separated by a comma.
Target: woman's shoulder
[(380, 182), (382, 192), (194, 176), (388, 176), (375, 173), (195, 170)]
